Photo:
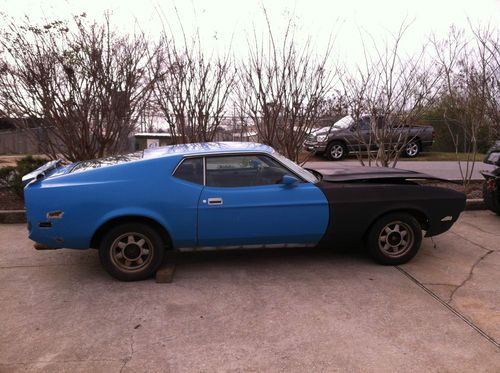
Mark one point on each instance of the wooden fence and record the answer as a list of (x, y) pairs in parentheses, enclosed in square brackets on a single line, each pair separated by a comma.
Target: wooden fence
[(19, 141)]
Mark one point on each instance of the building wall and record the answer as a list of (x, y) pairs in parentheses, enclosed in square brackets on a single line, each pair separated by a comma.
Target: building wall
[(141, 142), (20, 142)]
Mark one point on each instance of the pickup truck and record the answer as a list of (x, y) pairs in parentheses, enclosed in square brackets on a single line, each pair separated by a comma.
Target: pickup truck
[(348, 135)]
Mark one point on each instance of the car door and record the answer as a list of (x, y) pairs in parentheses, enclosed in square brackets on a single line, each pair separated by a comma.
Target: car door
[(369, 136), (245, 202), (361, 136)]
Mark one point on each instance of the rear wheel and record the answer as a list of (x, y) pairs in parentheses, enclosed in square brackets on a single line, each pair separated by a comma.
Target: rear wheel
[(336, 151), (131, 252), (394, 239), (412, 149)]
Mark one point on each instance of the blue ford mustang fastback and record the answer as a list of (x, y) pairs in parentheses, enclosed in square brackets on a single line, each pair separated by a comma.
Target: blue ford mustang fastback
[(228, 195)]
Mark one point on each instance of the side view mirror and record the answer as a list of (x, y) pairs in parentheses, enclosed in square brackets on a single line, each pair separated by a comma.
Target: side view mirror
[(288, 180)]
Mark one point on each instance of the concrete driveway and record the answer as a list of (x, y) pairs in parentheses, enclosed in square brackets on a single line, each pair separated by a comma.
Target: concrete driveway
[(282, 310), (443, 169)]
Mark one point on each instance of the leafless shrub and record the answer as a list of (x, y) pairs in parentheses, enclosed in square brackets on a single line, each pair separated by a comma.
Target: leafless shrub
[(86, 84), (466, 93), (488, 41), (392, 89), (281, 87), (193, 89)]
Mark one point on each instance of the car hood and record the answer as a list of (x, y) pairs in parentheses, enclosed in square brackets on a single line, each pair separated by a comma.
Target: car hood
[(361, 173), (326, 130)]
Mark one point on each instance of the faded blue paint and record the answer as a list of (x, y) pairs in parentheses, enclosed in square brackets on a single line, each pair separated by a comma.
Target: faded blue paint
[(146, 188), (268, 214)]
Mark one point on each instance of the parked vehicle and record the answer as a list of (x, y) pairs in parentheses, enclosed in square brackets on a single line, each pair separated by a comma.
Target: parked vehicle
[(491, 186), (346, 136), (226, 195)]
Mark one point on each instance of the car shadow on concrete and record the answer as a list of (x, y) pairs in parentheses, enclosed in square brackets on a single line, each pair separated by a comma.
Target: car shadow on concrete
[(233, 257)]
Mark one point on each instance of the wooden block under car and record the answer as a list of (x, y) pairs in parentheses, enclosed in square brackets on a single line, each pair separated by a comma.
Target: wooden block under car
[(165, 273)]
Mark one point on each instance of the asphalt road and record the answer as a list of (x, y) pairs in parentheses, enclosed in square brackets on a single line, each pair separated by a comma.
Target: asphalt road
[(443, 169), (293, 310)]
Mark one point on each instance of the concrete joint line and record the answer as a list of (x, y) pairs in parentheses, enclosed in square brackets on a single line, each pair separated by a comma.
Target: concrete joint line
[(44, 265), (36, 362), (450, 308)]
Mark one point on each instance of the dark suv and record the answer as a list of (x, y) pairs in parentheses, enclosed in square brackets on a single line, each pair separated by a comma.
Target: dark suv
[(347, 135)]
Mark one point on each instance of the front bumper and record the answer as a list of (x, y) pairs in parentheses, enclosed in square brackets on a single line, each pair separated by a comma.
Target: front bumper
[(315, 146), (442, 220)]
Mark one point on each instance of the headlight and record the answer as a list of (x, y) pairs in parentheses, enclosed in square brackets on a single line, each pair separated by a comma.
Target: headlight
[(320, 138)]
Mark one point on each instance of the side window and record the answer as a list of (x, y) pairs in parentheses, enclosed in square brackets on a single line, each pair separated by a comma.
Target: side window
[(191, 169), (380, 122), (364, 124), (244, 170)]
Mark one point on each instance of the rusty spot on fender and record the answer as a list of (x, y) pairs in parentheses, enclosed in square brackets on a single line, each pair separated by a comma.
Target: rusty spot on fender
[(55, 214)]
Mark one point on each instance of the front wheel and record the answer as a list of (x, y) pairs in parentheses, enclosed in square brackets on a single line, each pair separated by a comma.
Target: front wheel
[(394, 239), (131, 252)]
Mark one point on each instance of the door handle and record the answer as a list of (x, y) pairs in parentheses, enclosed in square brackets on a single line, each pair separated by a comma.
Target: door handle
[(215, 201)]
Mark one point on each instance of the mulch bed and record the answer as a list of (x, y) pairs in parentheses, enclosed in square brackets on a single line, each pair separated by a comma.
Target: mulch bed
[(475, 189), (9, 200)]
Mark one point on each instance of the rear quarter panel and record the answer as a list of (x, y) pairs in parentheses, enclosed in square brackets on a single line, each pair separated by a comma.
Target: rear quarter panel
[(92, 198)]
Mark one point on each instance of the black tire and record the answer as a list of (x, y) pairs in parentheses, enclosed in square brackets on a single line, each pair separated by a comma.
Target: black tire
[(336, 151), (386, 242), (491, 197), (412, 149), (139, 260)]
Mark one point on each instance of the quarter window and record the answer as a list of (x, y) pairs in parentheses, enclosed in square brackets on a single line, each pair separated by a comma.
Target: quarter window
[(191, 169), (243, 170)]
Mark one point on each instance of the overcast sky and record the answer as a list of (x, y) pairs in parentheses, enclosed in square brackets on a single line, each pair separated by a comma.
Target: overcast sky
[(224, 21)]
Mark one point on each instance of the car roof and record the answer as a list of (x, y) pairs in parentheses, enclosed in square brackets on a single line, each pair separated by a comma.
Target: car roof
[(207, 148)]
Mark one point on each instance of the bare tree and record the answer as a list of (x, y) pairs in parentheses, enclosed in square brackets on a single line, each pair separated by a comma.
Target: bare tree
[(282, 86), (87, 85), (465, 94), (241, 124), (488, 41), (193, 89), (392, 89)]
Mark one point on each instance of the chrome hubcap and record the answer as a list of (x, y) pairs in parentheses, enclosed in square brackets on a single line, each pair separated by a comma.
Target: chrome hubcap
[(131, 251), (337, 151), (412, 149), (396, 239)]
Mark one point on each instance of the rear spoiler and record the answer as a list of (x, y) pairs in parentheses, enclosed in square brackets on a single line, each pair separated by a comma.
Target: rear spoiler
[(40, 172)]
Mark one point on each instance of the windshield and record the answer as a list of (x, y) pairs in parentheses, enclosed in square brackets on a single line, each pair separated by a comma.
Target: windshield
[(344, 123), (306, 175)]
